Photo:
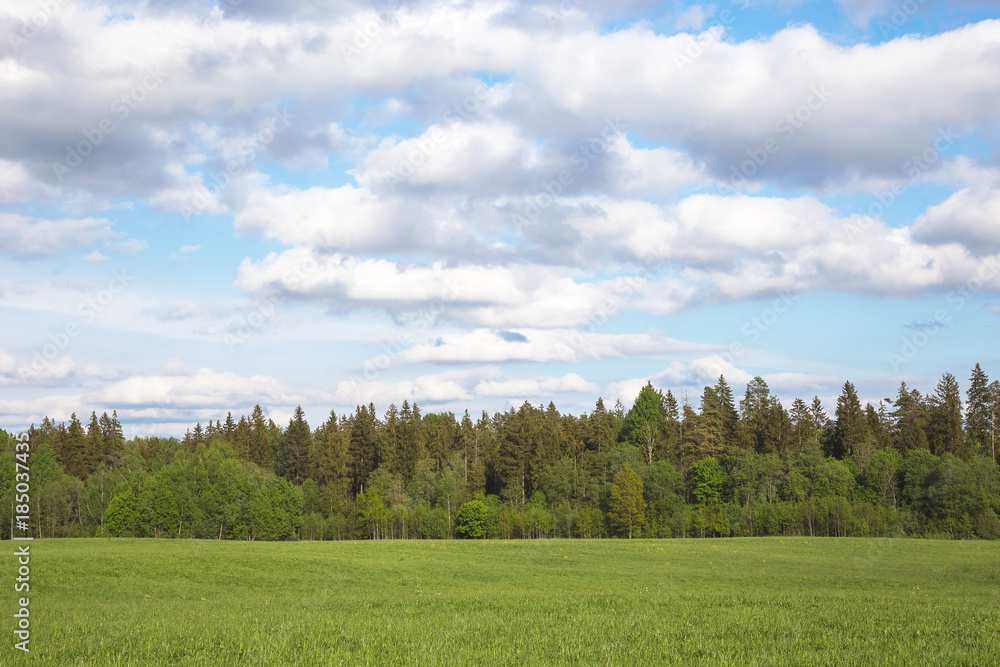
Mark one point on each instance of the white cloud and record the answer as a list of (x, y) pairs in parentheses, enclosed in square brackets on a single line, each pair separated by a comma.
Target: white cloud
[(705, 371), (969, 217), (17, 185), (184, 253), (466, 385), (42, 369), (38, 237), (529, 295), (206, 388), (693, 18), (542, 345)]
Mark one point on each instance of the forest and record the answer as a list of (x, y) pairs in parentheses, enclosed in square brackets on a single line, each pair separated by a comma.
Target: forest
[(915, 465)]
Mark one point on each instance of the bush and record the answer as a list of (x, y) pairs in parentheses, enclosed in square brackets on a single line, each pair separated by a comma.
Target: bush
[(988, 525), (471, 520)]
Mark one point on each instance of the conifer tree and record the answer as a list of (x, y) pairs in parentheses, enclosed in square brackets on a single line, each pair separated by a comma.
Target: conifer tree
[(851, 426), (362, 447), (803, 423), (94, 450), (294, 448), (909, 420), (672, 430), (241, 438), (979, 404), (229, 428), (74, 450), (944, 428), (602, 431), (260, 441)]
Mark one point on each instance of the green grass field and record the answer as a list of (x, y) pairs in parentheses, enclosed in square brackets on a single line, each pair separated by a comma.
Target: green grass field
[(723, 601)]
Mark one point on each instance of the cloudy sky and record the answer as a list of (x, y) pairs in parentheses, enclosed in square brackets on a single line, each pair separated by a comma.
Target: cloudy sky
[(208, 205)]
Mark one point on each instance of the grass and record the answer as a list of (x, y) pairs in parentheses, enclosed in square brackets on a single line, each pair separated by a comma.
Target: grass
[(736, 601)]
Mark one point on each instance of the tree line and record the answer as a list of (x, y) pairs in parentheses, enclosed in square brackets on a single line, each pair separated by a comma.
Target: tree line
[(915, 465)]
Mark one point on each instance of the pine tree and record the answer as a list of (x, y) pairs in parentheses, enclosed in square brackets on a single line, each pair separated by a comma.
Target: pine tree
[(260, 440), (294, 448), (75, 449), (472, 450), (112, 441), (994, 417), (909, 419), (729, 418), (944, 429), (517, 437), (363, 447), (329, 455), (979, 404), (94, 450), (672, 430), (229, 428), (755, 409), (710, 422), (851, 426), (241, 438), (389, 437), (803, 423), (197, 437), (412, 440), (820, 418), (602, 431)]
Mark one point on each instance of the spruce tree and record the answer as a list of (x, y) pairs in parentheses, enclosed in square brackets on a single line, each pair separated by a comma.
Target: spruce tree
[(293, 452), (979, 404), (260, 441), (944, 430), (851, 426), (75, 449)]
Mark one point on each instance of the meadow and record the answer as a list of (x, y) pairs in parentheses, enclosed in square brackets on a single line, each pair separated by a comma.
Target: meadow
[(712, 601)]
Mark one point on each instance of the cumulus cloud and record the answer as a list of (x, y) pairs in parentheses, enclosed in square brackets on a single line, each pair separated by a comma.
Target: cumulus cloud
[(543, 345), (705, 371), (38, 237), (969, 218), (45, 368), (466, 385), (469, 294), (538, 168), (206, 388)]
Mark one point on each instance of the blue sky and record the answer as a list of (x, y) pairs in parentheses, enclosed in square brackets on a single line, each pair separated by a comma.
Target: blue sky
[(204, 206)]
